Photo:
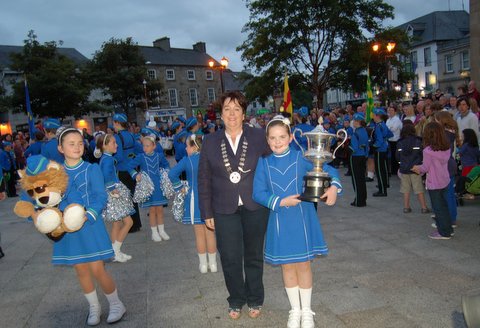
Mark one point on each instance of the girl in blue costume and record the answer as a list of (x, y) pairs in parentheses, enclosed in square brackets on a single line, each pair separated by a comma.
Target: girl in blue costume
[(87, 248), (204, 238), (294, 236), (120, 205), (150, 162)]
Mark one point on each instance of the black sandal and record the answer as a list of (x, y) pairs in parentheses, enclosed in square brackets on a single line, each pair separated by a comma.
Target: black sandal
[(234, 313), (254, 311)]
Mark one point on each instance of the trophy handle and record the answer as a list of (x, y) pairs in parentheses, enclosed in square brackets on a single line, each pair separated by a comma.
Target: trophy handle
[(344, 140), (294, 139)]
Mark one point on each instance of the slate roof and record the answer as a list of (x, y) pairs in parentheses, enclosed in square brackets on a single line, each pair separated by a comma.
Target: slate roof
[(175, 57), (71, 53), (439, 26), (231, 81)]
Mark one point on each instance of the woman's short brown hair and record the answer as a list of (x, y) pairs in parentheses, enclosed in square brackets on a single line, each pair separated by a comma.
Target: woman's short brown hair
[(234, 95)]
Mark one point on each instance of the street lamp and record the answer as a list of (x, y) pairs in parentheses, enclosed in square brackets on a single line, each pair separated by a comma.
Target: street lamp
[(145, 93), (223, 65), (377, 47)]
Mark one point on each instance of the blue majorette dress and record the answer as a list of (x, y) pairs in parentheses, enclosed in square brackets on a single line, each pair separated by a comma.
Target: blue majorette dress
[(119, 205), (151, 164), (188, 164), (91, 242), (293, 233)]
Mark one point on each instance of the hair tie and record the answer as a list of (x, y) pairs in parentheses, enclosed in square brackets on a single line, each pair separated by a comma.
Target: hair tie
[(279, 118), (61, 132)]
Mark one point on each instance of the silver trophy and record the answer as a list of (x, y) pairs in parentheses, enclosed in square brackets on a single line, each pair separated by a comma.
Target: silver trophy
[(318, 152)]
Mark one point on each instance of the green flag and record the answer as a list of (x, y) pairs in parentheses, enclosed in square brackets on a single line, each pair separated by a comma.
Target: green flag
[(369, 112)]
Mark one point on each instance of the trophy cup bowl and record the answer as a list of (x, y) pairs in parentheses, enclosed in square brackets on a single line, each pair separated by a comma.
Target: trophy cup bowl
[(316, 181)]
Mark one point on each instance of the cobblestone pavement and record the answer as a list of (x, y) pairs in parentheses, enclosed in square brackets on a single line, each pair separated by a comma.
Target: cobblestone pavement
[(382, 271)]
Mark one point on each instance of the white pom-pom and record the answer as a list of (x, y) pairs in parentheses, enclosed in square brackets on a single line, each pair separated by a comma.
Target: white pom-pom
[(47, 220), (73, 217)]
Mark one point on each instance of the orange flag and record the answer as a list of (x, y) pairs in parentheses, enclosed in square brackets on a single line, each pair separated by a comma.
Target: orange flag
[(287, 98)]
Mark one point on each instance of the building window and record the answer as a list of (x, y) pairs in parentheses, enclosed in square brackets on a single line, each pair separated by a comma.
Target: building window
[(448, 64), (465, 57), (193, 97), (427, 55), (211, 95), (170, 74), (191, 74), (172, 97), (209, 75), (414, 60), (152, 74), (428, 85)]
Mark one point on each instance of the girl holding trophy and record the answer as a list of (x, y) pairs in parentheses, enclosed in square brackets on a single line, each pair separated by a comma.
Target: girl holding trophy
[(294, 235)]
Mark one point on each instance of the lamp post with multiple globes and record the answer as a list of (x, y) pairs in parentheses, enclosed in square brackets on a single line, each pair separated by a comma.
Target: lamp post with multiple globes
[(223, 65), (145, 93), (387, 51)]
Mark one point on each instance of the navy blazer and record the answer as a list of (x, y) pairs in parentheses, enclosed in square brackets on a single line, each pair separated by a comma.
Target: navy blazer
[(217, 194)]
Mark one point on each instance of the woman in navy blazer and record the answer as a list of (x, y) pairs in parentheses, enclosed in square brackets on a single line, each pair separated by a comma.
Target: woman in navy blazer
[(225, 184)]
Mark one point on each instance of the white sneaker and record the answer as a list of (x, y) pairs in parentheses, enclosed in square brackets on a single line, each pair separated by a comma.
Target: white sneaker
[(156, 237), (213, 267), (294, 318), (94, 314), (119, 258), (116, 312), (307, 318), (203, 268), (126, 256), (164, 235)]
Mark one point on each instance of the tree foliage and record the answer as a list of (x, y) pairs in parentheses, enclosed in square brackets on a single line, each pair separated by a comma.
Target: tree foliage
[(307, 36), (119, 70), (54, 81), (358, 55)]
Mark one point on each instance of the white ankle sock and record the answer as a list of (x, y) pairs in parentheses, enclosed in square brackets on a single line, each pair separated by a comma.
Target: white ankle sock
[(202, 258), (116, 246), (370, 174), (154, 230), (161, 228), (113, 297), (306, 297), (212, 258), (293, 297), (92, 298)]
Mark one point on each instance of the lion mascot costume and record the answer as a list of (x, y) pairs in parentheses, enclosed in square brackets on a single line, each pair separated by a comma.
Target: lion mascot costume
[(48, 198)]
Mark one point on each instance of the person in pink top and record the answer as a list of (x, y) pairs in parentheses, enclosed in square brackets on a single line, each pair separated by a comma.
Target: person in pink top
[(436, 153)]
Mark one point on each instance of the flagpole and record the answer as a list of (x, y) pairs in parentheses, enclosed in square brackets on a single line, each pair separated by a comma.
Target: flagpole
[(31, 125)]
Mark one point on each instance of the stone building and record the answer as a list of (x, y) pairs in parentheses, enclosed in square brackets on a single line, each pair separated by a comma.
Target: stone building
[(453, 64), (189, 83)]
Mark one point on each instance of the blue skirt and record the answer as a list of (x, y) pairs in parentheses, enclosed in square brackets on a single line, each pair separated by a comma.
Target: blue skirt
[(294, 235), (90, 243)]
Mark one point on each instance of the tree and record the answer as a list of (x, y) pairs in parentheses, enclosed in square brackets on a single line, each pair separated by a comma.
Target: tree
[(119, 70), (54, 81), (307, 36), (358, 56)]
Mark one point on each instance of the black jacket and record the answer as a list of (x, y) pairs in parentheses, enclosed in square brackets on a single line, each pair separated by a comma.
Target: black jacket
[(409, 153), (216, 193)]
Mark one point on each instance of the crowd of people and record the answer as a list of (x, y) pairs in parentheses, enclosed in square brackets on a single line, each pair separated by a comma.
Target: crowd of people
[(244, 166)]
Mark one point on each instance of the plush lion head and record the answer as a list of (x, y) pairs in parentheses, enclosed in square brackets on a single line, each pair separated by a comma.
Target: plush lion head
[(45, 181)]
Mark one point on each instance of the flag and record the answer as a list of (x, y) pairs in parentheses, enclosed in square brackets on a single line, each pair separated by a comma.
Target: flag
[(287, 98), (31, 124), (369, 111)]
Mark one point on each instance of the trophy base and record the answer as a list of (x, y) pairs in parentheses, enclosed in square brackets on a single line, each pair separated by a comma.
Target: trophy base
[(314, 188)]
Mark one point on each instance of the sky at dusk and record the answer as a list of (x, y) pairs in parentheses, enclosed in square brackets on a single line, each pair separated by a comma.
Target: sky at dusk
[(86, 24)]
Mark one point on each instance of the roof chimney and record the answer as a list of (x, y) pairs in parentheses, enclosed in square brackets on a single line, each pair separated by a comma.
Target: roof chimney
[(200, 47), (162, 43)]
